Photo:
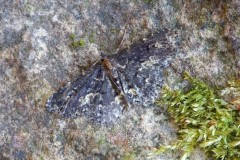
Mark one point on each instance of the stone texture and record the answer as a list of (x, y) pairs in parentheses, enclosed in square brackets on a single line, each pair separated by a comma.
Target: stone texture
[(36, 59)]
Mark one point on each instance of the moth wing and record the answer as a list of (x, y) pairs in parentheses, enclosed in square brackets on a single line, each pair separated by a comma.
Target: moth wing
[(141, 68), (91, 96)]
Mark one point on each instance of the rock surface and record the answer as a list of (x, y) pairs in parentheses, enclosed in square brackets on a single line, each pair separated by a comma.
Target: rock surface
[(45, 44)]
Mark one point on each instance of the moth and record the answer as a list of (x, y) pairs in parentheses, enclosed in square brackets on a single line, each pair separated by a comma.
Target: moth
[(131, 78)]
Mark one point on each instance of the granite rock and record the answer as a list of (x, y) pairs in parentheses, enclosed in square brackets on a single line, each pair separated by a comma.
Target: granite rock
[(37, 56)]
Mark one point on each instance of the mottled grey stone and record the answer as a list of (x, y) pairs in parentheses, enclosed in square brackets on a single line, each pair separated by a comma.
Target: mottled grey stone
[(36, 59), (11, 37)]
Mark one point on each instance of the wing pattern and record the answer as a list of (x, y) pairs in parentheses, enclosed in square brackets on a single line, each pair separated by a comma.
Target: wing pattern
[(132, 77)]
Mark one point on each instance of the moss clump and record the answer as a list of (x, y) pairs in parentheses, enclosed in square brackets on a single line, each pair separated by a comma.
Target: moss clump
[(72, 36), (91, 38), (129, 156), (79, 43), (203, 120), (76, 43)]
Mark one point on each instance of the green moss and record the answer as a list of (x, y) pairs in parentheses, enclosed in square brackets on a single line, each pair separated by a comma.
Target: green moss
[(79, 43), (72, 36), (129, 156), (102, 140), (91, 38), (114, 30), (76, 43), (203, 120)]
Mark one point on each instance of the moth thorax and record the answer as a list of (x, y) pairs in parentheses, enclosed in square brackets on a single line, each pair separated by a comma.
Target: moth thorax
[(107, 64)]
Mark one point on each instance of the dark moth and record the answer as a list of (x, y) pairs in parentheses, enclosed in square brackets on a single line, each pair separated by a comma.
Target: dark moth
[(132, 77)]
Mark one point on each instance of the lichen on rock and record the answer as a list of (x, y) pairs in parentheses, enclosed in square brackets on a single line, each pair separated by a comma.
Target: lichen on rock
[(36, 60)]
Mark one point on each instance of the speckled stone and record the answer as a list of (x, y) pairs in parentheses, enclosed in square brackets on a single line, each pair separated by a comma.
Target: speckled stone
[(36, 58)]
